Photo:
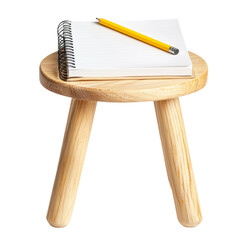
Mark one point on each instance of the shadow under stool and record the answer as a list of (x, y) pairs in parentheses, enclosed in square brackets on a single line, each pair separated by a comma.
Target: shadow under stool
[(164, 91)]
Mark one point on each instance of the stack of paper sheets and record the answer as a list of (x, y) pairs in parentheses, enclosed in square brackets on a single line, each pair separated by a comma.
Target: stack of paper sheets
[(103, 52)]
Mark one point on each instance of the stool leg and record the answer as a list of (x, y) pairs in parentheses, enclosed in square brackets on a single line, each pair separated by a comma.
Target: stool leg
[(178, 163), (71, 160)]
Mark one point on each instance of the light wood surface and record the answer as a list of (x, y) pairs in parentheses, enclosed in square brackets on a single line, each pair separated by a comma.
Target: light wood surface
[(128, 89), (177, 160), (71, 161), (164, 91)]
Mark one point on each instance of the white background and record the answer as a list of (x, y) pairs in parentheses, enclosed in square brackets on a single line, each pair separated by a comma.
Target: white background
[(124, 192)]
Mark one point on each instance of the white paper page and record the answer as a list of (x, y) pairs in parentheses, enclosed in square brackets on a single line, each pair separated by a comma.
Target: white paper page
[(97, 47)]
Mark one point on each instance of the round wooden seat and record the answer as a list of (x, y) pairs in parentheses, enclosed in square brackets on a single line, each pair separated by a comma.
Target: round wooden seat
[(125, 89)]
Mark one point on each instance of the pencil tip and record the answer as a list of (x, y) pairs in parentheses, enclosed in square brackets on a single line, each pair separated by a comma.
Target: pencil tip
[(97, 19)]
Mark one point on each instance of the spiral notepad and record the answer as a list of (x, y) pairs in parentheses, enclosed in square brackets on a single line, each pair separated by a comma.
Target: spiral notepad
[(87, 49)]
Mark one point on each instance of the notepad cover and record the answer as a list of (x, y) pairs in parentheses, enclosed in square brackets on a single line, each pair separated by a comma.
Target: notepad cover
[(102, 52)]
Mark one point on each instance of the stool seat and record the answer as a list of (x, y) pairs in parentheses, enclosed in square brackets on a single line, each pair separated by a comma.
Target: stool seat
[(124, 89)]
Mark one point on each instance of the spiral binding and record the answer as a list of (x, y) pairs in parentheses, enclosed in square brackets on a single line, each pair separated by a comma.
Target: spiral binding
[(65, 49)]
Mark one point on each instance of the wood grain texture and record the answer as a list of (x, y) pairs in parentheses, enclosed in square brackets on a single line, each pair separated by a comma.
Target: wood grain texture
[(71, 161), (128, 89), (177, 160)]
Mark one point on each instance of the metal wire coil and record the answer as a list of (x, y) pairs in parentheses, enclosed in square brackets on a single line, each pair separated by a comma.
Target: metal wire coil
[(65, 49)]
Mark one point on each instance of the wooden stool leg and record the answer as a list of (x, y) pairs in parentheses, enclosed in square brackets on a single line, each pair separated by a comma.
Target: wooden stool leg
[(178, 163), (73, 151)]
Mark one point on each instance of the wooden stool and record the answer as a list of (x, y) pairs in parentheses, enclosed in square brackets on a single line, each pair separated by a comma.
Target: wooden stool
[(164, 91)]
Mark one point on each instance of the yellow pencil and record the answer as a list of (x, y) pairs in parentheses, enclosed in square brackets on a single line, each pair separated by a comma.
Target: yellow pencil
[(138, 36)]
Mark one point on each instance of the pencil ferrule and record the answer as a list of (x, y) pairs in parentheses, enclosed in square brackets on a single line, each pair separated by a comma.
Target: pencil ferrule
[(173, 50)]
